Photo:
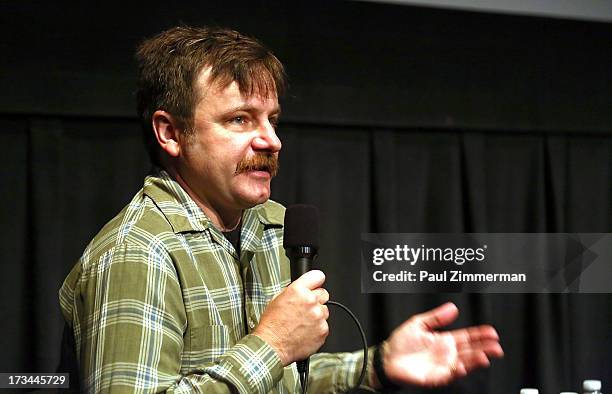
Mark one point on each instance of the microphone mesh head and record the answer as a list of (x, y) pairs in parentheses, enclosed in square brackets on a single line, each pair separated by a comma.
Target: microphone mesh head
[(301, 226)]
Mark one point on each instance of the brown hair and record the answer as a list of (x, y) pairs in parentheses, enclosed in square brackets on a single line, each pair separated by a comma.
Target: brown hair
[(170, 62)]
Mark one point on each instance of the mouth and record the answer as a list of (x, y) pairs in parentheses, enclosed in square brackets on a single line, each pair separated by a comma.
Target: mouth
[(260, 173)]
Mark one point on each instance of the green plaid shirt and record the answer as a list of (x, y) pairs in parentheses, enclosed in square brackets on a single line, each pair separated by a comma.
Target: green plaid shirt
[(160, 301)]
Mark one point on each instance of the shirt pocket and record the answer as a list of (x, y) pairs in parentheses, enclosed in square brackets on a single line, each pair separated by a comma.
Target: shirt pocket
[(204, 344)]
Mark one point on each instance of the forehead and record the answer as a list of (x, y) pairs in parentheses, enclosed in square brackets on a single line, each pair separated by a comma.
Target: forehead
[(217, 96)]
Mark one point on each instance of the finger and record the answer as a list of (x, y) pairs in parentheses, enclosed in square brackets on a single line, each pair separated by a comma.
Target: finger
[(325, 312), (477, 333), (490, 347), (310, 280), (460, 370), (483, 338), (472, 360), (324, 329), (322, 295), (438, 317)]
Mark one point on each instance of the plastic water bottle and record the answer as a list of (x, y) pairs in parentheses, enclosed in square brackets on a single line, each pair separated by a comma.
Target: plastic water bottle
[(529, 391), (591, 387)]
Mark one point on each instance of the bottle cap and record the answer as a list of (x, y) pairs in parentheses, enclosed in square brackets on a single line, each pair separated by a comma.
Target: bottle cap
[(529, 391), (591, 385)]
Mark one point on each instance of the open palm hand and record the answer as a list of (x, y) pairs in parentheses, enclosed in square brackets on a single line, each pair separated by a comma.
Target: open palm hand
[(415, 354)]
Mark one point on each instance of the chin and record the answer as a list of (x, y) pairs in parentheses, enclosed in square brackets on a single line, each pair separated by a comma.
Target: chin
[(251, 200), (253, 193)]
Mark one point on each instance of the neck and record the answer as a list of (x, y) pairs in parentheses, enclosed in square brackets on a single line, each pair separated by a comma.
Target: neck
[(223, 219)]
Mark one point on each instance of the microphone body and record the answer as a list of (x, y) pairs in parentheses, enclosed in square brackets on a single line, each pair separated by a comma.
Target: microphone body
[(301, 258), (301, 241)]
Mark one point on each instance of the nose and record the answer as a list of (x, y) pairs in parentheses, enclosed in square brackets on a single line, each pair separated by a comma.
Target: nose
[(267, 140)]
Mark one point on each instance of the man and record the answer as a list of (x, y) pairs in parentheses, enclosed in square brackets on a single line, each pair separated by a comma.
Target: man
[(187, 289)]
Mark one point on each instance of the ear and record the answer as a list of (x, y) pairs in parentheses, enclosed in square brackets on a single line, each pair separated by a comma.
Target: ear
[(167, 132)]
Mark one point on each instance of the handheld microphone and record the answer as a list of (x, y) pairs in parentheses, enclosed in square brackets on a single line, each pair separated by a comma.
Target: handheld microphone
[(301, 242)]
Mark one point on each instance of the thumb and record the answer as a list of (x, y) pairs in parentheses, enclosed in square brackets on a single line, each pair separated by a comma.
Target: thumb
[(311, 280), (438, 317)]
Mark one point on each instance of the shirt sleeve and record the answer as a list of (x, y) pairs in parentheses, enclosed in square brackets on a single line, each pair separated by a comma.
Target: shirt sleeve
[(129, 319), (338, 372)]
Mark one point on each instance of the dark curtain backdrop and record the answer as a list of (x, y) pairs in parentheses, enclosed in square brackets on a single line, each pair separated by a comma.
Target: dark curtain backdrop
[(66, 177), (398, 119)]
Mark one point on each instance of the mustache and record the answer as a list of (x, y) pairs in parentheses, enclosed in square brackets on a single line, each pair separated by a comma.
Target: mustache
[(260, 162)]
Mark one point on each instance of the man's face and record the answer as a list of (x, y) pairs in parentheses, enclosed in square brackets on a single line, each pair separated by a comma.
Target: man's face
[(232, 156)]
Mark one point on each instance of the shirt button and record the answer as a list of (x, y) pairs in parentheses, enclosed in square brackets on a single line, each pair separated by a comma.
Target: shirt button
[(251, 324)]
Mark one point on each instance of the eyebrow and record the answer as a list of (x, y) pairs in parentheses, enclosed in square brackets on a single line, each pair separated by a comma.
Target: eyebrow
[(249, 108)]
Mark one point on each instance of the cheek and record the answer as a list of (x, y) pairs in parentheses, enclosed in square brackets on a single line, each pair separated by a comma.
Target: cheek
[(222, 153), (218, 159)]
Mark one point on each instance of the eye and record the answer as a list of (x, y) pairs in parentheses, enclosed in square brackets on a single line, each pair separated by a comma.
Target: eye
[(239, 120)]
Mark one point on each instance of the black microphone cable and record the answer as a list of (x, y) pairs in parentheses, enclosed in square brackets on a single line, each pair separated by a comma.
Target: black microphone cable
[(304, 374)]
